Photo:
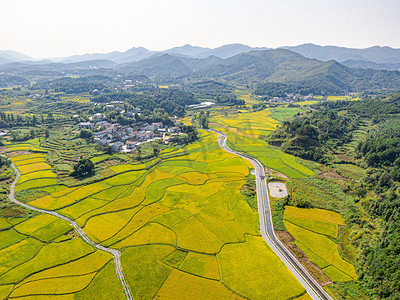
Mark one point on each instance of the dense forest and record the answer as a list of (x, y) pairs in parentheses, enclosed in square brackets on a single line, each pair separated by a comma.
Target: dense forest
[(10, 80), (71, 85), (313, 135), (319, 134), (172, 100)]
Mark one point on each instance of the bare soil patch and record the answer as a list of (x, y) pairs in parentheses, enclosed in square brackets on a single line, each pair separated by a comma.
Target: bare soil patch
[(16, 153), (290, 243), (344, 157), (332, 175), (274, 173), (277, 189), (72, 234), (216, 124), (4, 149)]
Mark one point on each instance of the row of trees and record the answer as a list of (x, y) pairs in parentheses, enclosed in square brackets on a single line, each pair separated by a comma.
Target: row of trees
[(10, 120), (78, 85)]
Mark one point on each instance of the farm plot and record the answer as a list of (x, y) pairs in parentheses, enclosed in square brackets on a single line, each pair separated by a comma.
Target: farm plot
[(311, 228), (190, 207), (244, 131), (43, 227), (35, 172), (175, 224), (30, 268)]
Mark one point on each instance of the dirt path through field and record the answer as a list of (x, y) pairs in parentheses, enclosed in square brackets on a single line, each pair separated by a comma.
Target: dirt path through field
[(114, 252)]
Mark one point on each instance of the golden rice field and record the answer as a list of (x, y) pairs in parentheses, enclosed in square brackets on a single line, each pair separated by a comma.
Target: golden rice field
[(312, 228), (183, 226), (181, 222), (244, 131)]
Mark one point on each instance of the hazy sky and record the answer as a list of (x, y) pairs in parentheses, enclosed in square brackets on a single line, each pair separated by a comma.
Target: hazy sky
[(54, 28)]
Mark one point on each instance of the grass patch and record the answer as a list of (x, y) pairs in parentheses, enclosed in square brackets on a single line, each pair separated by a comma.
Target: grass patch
[(336, 275)]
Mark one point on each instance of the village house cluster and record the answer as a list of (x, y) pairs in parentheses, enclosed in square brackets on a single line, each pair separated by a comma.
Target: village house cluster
[(127, 138), (290, 98)]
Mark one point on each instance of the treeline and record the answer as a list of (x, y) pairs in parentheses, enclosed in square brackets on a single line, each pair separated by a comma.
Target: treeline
[(215, 91), (4, 161), (9, 120), (228, 99), (78, 85), (11, 80), (172, 100), (380, 264), (316, 87), (147, 116)]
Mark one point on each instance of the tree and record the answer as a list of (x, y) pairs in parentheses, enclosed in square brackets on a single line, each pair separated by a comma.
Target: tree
[(156, 151), (4, 161), (86, 134), (203, 120), (46, 134), (83, 168)]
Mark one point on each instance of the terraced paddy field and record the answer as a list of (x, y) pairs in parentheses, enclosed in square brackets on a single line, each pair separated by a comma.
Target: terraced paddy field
[(181, 222), (313, 230), (245, 130), (38, 260)]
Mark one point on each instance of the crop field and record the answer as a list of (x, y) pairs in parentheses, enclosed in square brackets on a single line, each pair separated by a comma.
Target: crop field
[(25, 169), (41, 266), (312, 228), (283, 113), (178, 225), (245, 131), (248, 99), (338, 98)]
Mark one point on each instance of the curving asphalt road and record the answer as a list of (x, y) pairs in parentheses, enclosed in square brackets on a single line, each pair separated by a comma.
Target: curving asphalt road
[(267, 229), (114, 252)]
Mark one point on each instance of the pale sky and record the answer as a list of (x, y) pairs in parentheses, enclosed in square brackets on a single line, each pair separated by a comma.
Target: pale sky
[(56, 28)]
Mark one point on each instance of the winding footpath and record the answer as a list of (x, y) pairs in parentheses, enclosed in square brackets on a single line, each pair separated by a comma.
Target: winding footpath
[(114, 252), (267, 230)]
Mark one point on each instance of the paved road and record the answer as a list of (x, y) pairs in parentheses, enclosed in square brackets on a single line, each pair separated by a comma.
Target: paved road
[(114, 252), (267, 229)]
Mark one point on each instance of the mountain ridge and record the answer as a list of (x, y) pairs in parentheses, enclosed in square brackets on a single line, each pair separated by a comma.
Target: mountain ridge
[(375, 57)]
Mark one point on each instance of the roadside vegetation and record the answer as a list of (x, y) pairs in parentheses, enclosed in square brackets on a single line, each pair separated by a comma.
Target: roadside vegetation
[(362, 165)]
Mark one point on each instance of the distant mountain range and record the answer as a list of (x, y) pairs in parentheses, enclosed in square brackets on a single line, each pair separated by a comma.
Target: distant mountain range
[(254, 67), (234, 63), (375, 54), (377, 58)]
